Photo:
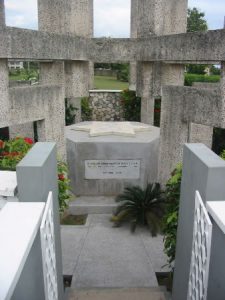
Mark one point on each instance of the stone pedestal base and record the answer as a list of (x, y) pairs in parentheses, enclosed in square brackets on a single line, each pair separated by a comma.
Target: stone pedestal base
[(104, 165)]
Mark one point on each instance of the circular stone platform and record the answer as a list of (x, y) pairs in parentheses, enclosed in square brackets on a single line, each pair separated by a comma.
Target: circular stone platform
[(104, 157)]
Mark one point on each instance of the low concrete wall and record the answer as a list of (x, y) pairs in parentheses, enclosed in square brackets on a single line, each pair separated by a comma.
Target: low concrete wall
[(206, 85), (106, 105)]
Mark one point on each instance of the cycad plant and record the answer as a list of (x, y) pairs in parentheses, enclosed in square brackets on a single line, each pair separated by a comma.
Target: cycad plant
[(140, 206)]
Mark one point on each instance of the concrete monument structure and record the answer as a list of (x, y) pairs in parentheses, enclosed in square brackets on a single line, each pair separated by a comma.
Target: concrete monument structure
[(65, 47), (104, 157)]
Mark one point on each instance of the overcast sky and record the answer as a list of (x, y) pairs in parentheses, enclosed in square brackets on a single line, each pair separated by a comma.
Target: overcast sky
[(111, 17)]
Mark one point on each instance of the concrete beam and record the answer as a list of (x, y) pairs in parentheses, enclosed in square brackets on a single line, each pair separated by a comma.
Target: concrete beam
[(36, 45), (189, 47)]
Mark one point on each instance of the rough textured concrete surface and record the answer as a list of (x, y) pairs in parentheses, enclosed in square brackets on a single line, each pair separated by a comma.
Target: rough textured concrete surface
[(49, 46), (81, 147), (44, 104), (4, 97), (2, 13), (24, 130), (182, 106), (133, 34), (158, 18), (37, 45), (73, 18)]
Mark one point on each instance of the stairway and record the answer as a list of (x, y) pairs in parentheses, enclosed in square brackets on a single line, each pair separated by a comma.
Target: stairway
[(156, 293), (92, 205)]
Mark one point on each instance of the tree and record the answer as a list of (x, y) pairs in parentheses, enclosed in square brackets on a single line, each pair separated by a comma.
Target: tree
[(196, 20)]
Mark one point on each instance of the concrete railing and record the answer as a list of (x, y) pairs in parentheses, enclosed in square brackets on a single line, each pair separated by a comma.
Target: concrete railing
[(21, 236), (20, 251), (203, 171)]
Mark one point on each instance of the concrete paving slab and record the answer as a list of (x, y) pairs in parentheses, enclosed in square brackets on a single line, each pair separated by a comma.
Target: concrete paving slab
[(73, 238), (98, 255), (112, 294), (113, 257), (154, 247)]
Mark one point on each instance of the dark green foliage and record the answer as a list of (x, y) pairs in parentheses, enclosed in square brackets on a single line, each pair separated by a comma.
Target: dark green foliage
[(70, 113), (131, 105), (86, 111), (172, 197), (140, 206), (64, 186), (196, 21), (123, 73), (157, 112), (215, 71), (190, 78), (218, 144), (196, 69)]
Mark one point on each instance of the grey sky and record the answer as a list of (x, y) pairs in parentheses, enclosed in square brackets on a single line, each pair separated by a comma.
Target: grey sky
[(111, 17)]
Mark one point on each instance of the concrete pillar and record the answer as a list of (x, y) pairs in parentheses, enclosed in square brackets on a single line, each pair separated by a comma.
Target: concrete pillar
[(159, 17), (36, 176), (133, 34), (147, 99), (4, 77), (222, 90), (71, 17), (2, 13), (204, 171), (173, 133), (52, 129), (4, 95)]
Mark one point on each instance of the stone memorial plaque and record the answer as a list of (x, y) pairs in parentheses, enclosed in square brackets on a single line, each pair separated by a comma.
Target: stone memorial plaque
[(112, 169)]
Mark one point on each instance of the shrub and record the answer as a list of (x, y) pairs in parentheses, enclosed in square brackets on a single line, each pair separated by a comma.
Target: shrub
[(123, 73), (143, 207), (70, 111), (131, 105), (64, 186), (190, 78), (13, 151), (170, 222), (86, 111)]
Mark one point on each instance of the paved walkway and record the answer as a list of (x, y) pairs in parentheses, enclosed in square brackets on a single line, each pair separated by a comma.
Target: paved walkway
[(98, 255)]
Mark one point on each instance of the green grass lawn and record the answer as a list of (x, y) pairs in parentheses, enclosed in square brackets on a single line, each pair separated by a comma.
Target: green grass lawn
[(109, 83), (100, 82), (17, 77)]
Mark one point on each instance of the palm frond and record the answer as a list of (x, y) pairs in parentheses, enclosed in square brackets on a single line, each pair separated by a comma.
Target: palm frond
[(140, 206)]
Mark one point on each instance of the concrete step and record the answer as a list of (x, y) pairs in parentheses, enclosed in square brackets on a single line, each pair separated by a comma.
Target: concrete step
[(92, 205), (117, 293)]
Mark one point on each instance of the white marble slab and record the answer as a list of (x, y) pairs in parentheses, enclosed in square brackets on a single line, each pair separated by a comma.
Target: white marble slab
[(8, 183), (19, 223), (112, 169), (96, 128), (217, 210)]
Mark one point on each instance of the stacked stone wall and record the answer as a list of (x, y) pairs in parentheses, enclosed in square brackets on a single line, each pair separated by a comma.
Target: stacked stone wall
[(106, 105)]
